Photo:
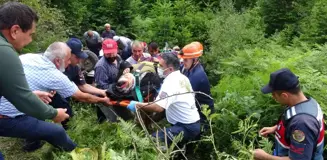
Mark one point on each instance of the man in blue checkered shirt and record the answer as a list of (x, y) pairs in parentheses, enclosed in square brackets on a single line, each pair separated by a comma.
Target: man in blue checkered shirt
[(44, 73)]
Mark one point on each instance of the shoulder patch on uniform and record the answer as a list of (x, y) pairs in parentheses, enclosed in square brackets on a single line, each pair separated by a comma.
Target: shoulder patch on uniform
[(163, 95), (298, 135)]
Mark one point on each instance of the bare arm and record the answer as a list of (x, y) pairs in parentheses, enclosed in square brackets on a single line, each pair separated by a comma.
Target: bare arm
[(86, 88), (271, 157), (260, 154), (150, 107), (85, 97)]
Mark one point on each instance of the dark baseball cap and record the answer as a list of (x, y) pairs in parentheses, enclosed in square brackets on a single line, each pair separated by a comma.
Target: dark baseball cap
[(281, 80), (77, 47)]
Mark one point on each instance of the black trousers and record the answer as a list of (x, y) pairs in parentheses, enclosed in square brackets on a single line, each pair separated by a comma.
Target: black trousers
[(60, 102)]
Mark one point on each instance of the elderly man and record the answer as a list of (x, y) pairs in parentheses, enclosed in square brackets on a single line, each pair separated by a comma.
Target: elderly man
[(173, 98), (137, 53), (108, 32), (93, 41), (74, 73)]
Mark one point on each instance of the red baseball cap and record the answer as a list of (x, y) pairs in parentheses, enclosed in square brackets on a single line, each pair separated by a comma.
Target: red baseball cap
[(109, 46)]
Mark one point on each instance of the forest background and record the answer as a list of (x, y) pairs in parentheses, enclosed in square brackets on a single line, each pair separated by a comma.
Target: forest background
[(244, 41)]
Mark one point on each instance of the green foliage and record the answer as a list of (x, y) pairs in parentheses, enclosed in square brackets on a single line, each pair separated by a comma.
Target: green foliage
[(121, 140), (238, 59), (280, 14), (238, 92), (50, 27), (175, 22), (314, 26), (231, 31)]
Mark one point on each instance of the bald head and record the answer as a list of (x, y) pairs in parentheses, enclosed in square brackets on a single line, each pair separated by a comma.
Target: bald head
[(90, 33), (59, 53)]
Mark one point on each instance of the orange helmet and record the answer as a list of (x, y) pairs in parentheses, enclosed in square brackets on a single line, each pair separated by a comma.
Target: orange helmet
[(192, 50)]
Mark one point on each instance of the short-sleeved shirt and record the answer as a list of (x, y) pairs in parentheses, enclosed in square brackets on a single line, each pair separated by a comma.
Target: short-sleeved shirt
[(305, 134), (41, 74), (75, 74), (179, 108), (301, 124)]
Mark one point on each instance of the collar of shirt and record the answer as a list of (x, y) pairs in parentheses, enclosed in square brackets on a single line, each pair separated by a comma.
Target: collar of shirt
[(172, 74), (3, 37)]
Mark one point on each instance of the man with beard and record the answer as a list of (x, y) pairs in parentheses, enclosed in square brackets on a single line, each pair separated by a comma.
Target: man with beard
[(106, 73), (106, 69), (74, 73)]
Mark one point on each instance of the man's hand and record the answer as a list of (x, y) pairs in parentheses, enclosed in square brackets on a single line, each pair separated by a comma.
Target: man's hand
[(44, 96), (132, 106), (267, 130), (106, 101), (127, 70), (259, 154), (103, 93), (61, 115)]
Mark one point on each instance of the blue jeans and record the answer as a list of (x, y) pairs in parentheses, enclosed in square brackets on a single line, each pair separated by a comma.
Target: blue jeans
[(1, 156), (33, 129), (190, 132)]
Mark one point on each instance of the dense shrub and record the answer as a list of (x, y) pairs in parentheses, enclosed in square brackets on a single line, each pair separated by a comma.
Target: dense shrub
[(231, 31), (50, 27)]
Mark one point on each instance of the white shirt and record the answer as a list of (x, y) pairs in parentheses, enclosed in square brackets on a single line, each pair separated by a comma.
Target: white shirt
[(179, 108), (132, 61)]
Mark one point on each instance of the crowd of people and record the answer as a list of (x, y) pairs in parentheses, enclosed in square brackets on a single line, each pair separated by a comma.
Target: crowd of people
[(36, 87)]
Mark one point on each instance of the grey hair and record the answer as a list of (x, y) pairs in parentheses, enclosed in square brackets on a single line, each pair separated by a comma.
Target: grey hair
[(171, 60), (56, 50), (137, 43)]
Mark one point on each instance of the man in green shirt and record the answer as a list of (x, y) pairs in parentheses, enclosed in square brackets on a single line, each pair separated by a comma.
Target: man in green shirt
[(17, 25)]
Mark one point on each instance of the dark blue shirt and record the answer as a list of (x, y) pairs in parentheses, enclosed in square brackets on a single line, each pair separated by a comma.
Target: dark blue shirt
[(309, 127), (300, 132), (75, 74), (105, 73), (110, 34), (200, 82)]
